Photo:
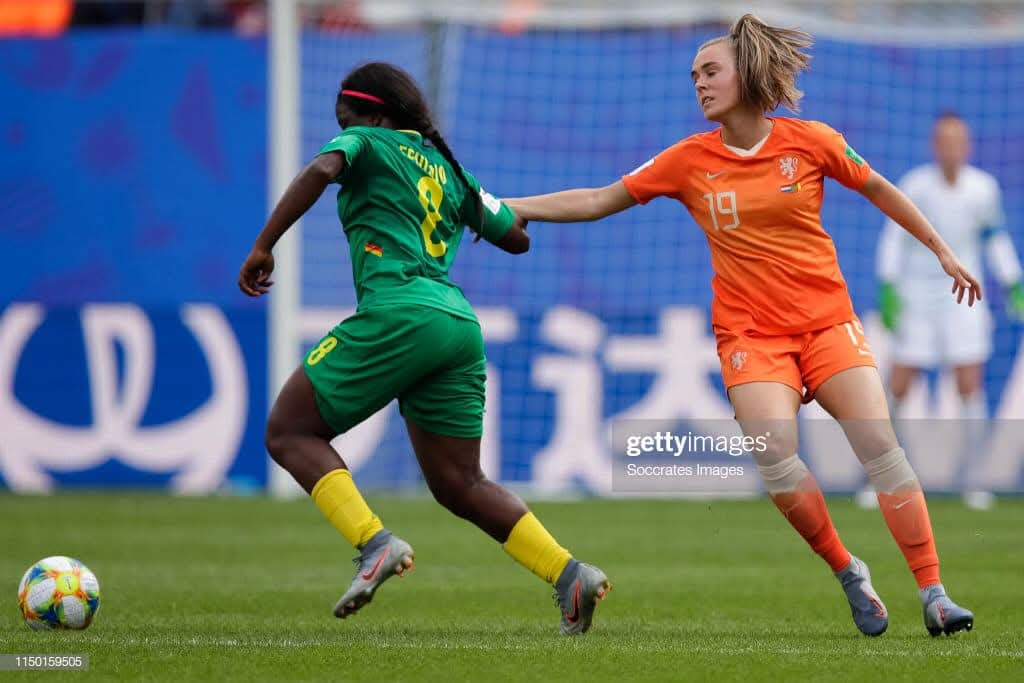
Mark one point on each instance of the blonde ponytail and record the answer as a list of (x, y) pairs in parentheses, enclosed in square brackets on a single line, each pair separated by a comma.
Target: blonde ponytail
[(768, 60)]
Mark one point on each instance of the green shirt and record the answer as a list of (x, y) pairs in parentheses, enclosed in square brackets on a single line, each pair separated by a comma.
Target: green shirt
[(403, 210)]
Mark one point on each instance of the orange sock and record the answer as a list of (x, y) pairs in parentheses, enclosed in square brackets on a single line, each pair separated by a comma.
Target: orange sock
[(796, 493), (906, 514), (806, 511)]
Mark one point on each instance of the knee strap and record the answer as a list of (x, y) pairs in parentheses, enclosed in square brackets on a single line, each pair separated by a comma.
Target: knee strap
[(784, 476), (890, 471)]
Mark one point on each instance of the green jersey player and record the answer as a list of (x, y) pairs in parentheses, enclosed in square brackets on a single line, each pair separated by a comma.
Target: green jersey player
[(404, 202)]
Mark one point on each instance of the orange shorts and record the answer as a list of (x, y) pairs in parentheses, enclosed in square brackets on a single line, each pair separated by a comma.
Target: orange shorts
[(797, 360)]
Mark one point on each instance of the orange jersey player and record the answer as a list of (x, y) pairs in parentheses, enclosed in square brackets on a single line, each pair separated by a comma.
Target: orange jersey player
[(782, 316), (778, 290)]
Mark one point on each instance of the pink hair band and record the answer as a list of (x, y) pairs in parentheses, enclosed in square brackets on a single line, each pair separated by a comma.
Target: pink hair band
[(362, 96)]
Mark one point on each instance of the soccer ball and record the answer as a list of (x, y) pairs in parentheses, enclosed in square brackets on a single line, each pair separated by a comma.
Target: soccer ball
[(59, 592)]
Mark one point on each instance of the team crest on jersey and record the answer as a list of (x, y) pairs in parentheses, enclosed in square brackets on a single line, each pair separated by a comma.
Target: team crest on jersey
[(739, 358), (787, 166)]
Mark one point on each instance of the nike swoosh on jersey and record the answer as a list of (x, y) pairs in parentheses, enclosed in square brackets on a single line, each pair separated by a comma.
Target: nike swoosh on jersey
[(714, 175)]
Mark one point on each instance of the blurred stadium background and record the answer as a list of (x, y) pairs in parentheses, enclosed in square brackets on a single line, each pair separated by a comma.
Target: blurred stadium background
[(142, 143)]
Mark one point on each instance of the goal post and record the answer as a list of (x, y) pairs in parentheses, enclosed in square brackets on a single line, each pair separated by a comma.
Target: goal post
[(283, 130)]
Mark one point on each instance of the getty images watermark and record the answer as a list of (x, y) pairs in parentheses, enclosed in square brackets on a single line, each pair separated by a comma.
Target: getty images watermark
[(716, 457), (690, 443), (649, 456)]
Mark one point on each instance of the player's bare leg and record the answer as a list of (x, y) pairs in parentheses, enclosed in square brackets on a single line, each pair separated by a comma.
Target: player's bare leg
[(451, 467), (856, 398), (901, 379), (299, 440), (297, 437), (770, 408)]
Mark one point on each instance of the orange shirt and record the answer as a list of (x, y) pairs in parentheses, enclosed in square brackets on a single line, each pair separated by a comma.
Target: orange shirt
[(776, 270), (35, 17)]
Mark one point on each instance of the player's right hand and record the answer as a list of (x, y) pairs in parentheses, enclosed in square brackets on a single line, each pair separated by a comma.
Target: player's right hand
[(890, 305), (254, 279), (963, 281)]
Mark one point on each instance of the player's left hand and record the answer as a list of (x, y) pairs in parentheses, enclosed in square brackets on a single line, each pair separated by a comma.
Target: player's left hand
[(254, 279), (1015, 301), (963, 281)]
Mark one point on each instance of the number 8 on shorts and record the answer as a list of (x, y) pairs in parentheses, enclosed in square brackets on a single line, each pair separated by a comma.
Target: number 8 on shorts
[(321, 350)]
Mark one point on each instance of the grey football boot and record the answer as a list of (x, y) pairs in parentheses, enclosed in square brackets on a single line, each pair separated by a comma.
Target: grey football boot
[(869, 614), (578, 590), (383, 556), (942, 615)]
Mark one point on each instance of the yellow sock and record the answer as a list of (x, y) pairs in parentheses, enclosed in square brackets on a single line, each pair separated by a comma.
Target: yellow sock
[(532, 546), (341, 503)]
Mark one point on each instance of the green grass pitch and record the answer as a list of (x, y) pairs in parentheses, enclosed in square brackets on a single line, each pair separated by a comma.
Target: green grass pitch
[(242, 589)]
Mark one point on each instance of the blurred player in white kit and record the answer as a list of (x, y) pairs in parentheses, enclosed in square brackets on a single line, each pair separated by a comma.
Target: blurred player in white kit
[(930, 330)]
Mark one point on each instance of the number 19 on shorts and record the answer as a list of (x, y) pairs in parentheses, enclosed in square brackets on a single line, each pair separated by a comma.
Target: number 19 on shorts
[(857, 338)]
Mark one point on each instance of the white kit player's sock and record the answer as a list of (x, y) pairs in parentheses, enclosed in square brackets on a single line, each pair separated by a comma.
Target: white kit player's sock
[(973, 406), (973, 448), (895, 407)]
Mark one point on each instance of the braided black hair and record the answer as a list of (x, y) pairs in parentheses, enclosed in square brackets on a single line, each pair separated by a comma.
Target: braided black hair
[(403, 103)]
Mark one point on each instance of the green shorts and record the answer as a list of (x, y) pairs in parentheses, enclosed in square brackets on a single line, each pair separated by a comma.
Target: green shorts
[(430, 360)]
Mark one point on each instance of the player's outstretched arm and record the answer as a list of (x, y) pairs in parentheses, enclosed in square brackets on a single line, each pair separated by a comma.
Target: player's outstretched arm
[(897, 206), (254, 278), (574, 206)]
